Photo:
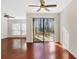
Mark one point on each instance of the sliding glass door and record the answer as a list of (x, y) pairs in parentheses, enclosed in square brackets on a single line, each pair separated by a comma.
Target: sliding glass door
[(38, 30), (48, 29), (43, 29)]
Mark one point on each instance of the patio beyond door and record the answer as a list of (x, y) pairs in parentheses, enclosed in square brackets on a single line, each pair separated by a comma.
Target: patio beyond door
[(43, 29)]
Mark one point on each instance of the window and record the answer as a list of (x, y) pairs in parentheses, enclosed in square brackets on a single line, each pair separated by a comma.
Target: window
[(17, 28)]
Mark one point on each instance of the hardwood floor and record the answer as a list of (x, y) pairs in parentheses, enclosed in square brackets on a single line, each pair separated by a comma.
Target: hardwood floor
[(16, 49)]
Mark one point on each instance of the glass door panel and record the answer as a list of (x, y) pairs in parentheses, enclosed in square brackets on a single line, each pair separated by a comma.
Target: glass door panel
[(48, 29), (38, 29)]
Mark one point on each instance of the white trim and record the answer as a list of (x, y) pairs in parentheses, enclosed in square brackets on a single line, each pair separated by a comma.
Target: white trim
[(3, 37)]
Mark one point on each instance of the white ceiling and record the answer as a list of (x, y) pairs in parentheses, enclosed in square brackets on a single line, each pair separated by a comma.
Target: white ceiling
[(19, 8)]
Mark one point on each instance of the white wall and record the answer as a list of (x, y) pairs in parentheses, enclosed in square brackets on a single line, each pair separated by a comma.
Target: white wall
[(29, 23), (15, 8), (4, 28), (68, 25)]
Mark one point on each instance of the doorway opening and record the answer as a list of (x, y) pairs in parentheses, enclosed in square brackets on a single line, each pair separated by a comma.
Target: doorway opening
[(43, 29)]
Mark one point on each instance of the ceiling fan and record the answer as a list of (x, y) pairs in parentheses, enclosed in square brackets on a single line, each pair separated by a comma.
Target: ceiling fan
[(8, 16), (42, 5)]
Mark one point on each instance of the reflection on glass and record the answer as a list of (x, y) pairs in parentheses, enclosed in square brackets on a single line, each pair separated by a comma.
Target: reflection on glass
[(48, 29), (38, 29), (43, 29)]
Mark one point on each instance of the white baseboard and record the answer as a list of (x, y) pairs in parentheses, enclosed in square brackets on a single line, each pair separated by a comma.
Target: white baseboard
[(29, 41)]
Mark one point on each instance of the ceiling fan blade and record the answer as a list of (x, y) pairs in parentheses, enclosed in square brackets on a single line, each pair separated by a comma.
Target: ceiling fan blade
[(47, 9), (11, 17), (38, 9), (50, 5), (33, 6), (7, 16)]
